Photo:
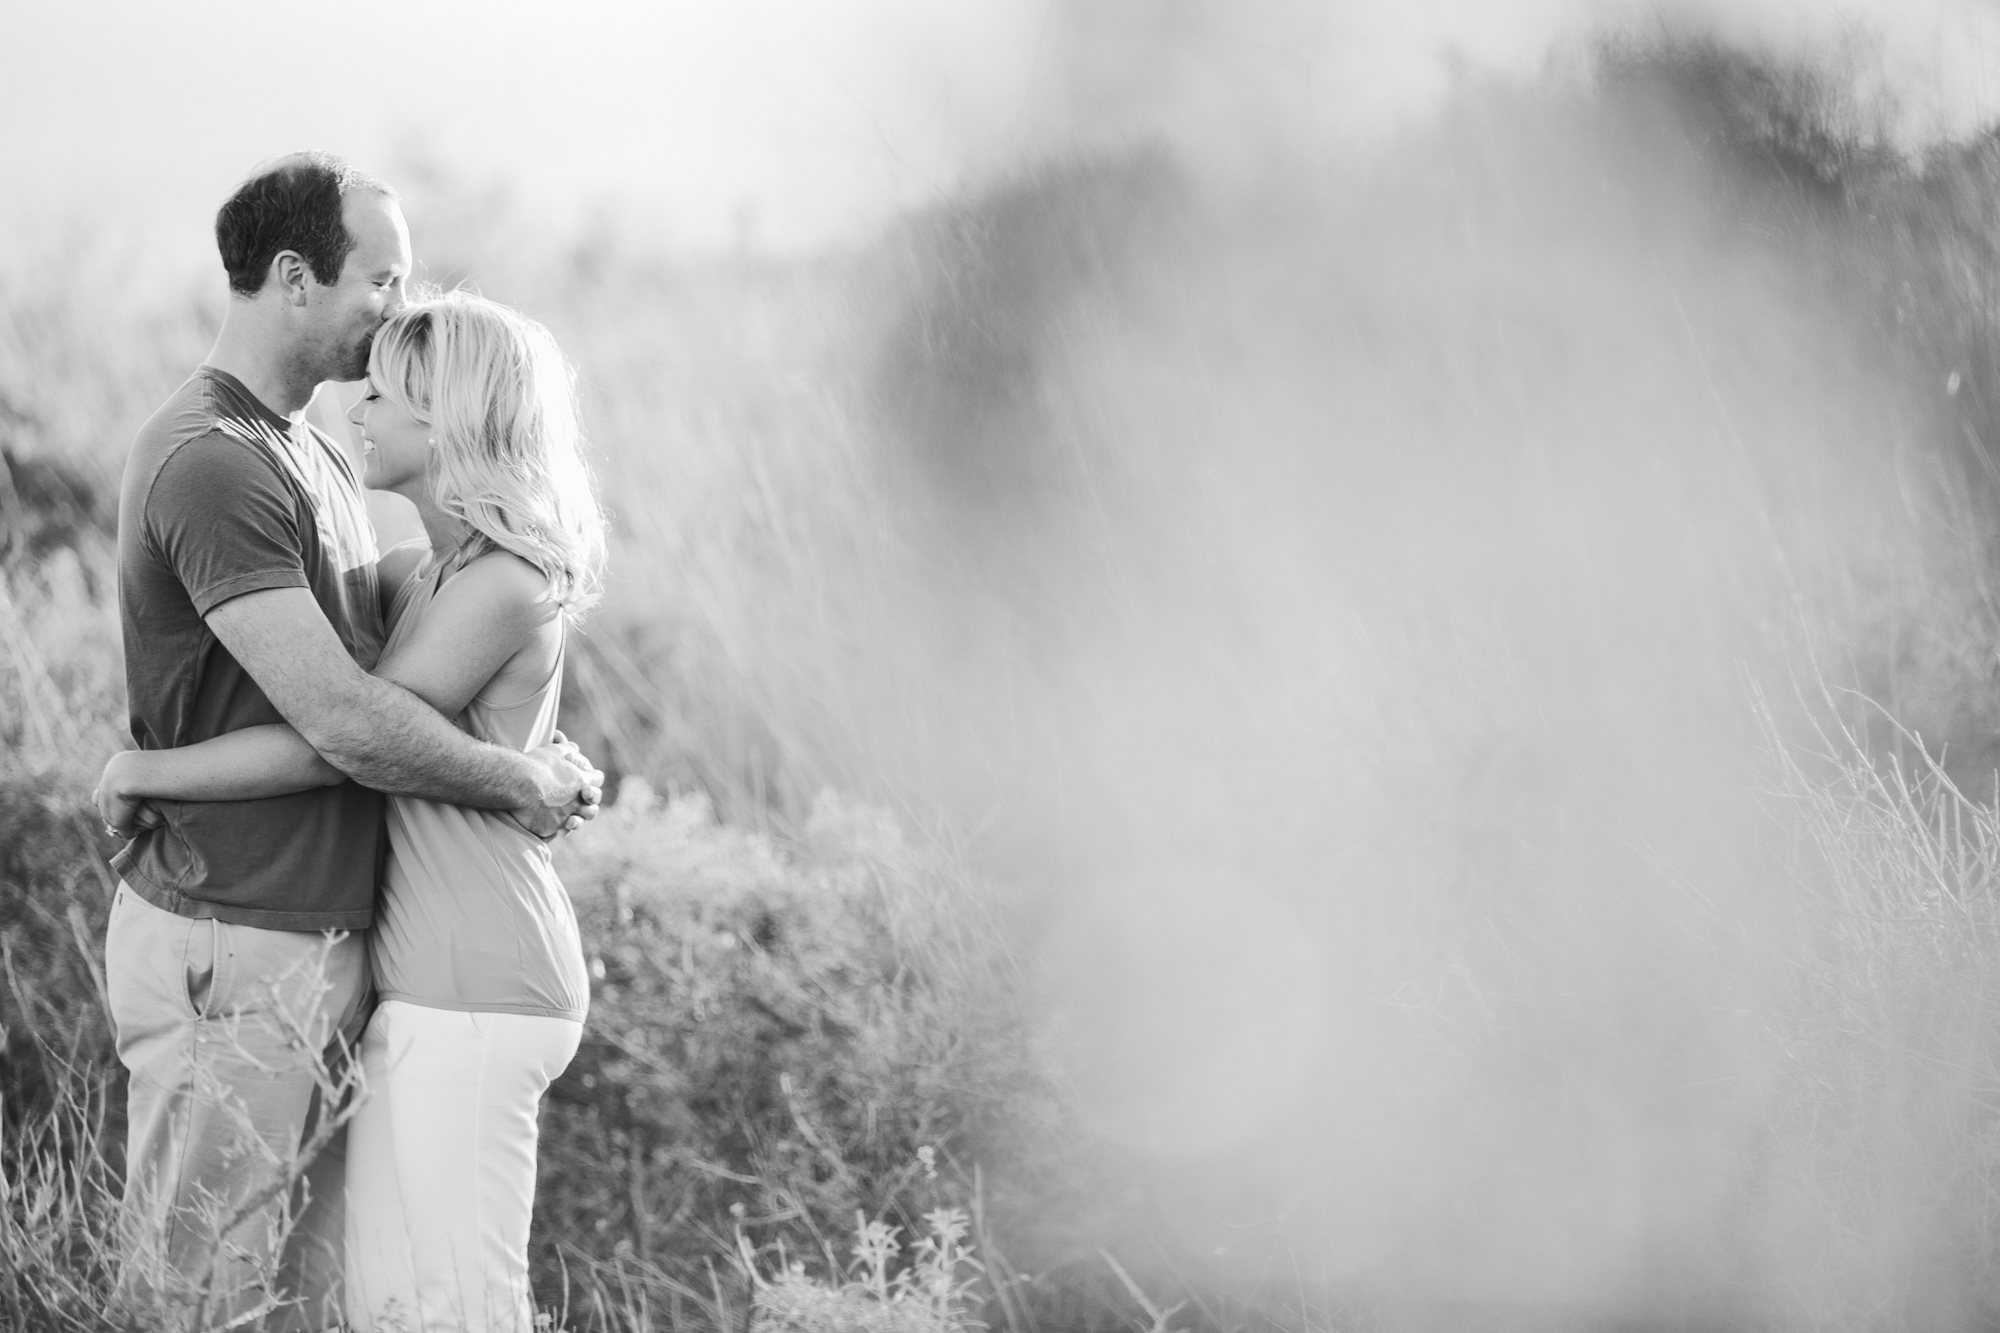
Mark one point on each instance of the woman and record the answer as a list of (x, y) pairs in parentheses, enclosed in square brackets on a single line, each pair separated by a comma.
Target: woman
[(469, 414)]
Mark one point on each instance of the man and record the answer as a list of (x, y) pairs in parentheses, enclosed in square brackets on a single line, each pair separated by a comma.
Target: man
[(247, 594)]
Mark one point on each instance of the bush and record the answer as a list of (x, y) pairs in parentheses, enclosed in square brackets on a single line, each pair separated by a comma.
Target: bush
[(936, 1293), (779, 1039)]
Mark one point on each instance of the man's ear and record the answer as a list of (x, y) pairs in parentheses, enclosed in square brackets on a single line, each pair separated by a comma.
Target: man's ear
[(290, 273)]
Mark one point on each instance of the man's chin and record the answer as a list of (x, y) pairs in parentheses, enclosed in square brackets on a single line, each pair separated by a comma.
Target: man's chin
[(354, 366)]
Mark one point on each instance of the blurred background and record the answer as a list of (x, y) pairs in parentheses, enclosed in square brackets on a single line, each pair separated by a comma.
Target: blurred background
[(1333, 663), (783, 126)]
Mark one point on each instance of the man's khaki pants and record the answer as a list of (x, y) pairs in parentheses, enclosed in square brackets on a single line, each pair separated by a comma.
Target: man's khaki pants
[(233, 1037)]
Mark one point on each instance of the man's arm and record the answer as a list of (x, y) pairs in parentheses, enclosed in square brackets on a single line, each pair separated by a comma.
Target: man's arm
[(377, 732)]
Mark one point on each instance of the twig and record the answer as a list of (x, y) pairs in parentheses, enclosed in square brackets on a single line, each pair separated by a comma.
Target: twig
[(1153, 1312)]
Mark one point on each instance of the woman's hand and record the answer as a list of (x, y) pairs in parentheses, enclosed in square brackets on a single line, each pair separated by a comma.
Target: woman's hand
[(124, 811)]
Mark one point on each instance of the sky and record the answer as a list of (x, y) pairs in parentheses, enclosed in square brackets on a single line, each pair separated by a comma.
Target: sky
[(778, 124)]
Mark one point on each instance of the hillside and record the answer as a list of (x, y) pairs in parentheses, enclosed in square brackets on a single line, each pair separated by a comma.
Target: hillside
[(1392, 739)]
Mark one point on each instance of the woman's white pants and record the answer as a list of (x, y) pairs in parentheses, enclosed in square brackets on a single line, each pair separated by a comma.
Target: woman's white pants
[(441, 1168)]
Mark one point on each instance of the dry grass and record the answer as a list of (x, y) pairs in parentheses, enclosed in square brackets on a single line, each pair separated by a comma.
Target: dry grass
[(1437, 711)]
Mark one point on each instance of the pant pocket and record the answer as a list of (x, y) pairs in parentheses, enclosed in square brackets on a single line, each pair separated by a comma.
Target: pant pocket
[(198, 965)]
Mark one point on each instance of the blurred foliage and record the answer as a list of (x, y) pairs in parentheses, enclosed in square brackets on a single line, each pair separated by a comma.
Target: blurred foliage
[(869, 502), (778, 1040), (937, 1293)]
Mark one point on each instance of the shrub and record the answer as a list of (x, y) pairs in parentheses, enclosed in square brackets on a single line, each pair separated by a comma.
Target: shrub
[(937, 1292), (780, 1037)]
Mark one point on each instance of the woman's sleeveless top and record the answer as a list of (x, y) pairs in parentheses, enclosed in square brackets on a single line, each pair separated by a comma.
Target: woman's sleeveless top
[(471, 914)]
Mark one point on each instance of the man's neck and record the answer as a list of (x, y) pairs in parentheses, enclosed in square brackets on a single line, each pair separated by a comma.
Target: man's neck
[(255, 353)]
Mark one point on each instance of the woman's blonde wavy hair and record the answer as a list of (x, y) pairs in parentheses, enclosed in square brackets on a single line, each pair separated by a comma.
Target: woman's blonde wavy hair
[(506, 455)]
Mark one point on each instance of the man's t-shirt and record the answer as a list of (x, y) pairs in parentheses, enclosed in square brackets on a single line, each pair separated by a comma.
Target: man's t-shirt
[(223, 497)]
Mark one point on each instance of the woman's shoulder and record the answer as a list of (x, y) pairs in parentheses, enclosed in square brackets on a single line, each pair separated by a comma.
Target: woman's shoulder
[(514, 598), (502, 574), (502, 587)]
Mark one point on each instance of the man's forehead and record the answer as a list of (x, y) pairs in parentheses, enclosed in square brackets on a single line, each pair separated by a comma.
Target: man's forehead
[(381, 240)]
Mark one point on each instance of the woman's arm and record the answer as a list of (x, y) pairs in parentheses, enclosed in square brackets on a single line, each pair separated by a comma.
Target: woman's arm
[(482, 617), (240, 766)]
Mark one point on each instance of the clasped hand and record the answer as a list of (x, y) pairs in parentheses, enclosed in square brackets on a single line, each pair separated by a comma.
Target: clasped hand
[(573, 796)]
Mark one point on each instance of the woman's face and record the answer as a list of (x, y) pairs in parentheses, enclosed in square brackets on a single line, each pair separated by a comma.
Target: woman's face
[(396, 446)]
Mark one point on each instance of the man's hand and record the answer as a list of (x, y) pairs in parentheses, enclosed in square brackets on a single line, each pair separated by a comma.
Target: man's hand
[(571, 796)]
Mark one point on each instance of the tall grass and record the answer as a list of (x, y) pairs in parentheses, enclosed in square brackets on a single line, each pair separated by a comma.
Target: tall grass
[(1418, 733)]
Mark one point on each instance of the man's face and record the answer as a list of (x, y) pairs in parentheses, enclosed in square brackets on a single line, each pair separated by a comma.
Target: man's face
[(343, 316)]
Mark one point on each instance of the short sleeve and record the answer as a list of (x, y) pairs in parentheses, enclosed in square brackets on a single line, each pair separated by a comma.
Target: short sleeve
[(224, 520)]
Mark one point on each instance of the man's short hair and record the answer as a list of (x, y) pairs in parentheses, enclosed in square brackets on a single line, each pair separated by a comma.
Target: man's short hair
[(292, 204)]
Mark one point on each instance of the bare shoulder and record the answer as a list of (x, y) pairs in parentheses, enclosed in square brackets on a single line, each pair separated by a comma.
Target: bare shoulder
[(487, 625), (502, 584)]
